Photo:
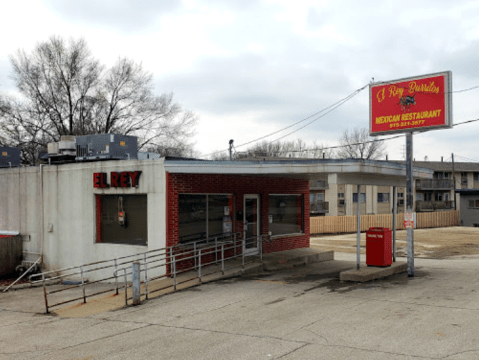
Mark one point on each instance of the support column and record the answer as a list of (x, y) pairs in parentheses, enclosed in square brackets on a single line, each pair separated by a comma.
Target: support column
[(409, 205)]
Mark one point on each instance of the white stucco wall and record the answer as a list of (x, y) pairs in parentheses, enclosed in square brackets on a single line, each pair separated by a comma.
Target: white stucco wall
[(69, 209)]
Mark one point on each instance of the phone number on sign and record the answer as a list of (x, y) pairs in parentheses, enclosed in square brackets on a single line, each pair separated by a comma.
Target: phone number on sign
[(407, 123)]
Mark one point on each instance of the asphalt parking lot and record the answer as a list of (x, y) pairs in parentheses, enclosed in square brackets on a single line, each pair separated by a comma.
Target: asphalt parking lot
[(298, 313)]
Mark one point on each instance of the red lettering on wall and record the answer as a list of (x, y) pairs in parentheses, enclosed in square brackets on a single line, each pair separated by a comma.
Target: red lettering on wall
[(124, 179), (134, 176), (114, 176), (103, 181), (96, 180), (117, 179)]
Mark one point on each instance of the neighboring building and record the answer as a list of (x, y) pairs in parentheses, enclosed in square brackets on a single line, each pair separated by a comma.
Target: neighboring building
[(469, 209), (437, 194)]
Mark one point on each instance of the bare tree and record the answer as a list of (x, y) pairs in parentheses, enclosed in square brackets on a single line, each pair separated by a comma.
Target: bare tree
[(357, 144), (65, 91), (289, 149)]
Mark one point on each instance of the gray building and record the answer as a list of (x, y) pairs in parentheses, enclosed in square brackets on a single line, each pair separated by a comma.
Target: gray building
[(469, 209)]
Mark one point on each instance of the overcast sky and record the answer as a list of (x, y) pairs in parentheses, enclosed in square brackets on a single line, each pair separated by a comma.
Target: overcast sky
[(249, 68)]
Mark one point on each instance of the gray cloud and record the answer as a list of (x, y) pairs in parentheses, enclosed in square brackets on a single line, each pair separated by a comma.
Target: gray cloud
[(122, 14)]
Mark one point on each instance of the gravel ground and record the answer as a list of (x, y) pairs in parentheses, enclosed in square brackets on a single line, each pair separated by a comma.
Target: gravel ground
[(437, 243)]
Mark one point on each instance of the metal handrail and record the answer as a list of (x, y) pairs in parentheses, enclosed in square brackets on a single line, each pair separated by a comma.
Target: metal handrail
[(174, 272), (167, 257)]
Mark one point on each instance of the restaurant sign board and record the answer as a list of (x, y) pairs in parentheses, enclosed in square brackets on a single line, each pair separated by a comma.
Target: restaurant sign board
[(418, 103)]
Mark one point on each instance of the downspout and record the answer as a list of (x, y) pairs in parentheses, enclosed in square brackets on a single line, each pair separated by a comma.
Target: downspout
[(42, 232)]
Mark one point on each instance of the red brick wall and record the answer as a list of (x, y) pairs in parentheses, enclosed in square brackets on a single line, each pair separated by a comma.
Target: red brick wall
[(238, 185)]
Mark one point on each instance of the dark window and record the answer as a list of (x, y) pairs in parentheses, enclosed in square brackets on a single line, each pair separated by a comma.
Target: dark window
[(355, 197), (192, 217), (383, 197), (203, 216), (133, 230), (400, 195), (217, 205), (340, 195), (286, 214)]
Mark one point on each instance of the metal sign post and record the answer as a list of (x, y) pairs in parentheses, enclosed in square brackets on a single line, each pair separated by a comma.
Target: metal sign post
[(395, 201), (409, 207), (358, 247)]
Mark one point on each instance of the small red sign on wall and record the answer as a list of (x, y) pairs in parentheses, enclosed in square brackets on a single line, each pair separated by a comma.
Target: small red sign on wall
[(413, 104), (121, 179)]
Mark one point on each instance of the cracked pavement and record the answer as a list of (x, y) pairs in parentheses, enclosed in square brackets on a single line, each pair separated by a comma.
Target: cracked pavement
[(298, 313)]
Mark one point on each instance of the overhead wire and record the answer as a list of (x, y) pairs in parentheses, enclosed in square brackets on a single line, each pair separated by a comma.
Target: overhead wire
[(332, 107), (328, 110), (364, 142)]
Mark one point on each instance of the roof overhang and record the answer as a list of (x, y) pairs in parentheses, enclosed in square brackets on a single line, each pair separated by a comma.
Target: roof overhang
[(347, 171)]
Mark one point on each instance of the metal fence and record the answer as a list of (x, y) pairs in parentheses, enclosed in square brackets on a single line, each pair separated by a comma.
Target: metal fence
[(169, 263)]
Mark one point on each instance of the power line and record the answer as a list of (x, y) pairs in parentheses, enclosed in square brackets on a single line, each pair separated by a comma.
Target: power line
[(465, 122), (463, 157), (330, 108), (365, 142)]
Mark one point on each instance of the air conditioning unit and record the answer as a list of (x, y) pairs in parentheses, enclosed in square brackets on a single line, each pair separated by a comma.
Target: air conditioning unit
[(61, 151), (9, 156), (106, 147)]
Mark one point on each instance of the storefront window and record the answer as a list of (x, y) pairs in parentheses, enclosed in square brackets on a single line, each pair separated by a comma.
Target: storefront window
[(192, 217), (122, 219), (203, 216), (285, 214)]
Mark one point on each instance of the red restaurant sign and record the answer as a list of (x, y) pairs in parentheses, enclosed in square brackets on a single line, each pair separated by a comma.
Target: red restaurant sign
[(413, 104), (117, 179)]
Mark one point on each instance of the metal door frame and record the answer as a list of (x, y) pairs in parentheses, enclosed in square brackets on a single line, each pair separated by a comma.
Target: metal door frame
[(252, 251)]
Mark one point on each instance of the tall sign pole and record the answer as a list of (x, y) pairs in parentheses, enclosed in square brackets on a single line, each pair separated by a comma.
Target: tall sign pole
[(409, 219), (419, 103)]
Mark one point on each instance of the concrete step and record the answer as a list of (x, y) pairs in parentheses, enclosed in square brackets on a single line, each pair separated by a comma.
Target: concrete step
[(368, 273)]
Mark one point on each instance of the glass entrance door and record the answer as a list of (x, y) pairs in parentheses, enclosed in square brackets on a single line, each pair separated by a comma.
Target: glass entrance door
[(251, 223)]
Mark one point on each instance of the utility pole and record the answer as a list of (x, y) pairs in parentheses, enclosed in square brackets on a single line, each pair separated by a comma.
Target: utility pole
[(453, 182), (231, 150)]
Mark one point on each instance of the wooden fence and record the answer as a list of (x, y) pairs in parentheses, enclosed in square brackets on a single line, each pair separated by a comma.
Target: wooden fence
[(348, 224)]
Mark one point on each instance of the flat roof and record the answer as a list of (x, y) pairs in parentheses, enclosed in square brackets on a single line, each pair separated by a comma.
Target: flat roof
[(347, 171)]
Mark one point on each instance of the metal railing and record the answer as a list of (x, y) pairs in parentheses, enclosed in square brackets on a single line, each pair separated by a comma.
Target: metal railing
[(422, 205), (169, 262), (433, 184), (318, 185), (319, 206), (178, 256)]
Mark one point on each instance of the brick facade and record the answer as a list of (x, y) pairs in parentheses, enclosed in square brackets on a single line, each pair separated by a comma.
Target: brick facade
[(238, 185)]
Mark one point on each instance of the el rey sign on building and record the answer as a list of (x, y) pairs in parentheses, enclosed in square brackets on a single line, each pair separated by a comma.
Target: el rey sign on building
[(413, 104), (123, 179)]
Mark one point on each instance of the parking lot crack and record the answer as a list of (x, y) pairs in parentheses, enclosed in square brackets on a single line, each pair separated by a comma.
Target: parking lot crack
[(298, 348)]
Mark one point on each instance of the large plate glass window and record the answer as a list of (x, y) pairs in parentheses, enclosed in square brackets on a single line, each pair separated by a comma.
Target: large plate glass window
[(285, 214), (122, 219), (202, 216)]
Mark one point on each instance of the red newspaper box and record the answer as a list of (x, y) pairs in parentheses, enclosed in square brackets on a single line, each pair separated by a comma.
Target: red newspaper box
[(378, 247)]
